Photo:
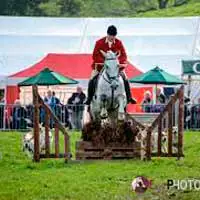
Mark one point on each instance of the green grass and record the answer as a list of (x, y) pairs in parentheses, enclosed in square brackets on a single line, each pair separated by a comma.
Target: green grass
[(192, 8), (22, 179)]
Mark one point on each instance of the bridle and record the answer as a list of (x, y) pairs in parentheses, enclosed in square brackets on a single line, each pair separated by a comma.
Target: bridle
[(109, 79)]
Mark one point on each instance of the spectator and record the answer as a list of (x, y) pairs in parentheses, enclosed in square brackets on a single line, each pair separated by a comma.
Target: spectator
[(147, 101), (51, 101), (58, 106), (160, 100), (196, 115), (76, 107), (57, 100), (29, 111), (188, 113), (18, 117), (2, 106), (65, 115), (160, 97)]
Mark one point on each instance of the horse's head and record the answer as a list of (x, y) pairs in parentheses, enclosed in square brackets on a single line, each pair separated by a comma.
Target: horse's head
[(111, 64)]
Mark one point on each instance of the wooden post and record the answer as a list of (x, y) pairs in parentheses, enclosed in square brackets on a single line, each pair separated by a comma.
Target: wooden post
[(47, 145), (56, 141), (36, 156), (181, 123), (148, 149), (170, 130), (159, 136), (66, 147)]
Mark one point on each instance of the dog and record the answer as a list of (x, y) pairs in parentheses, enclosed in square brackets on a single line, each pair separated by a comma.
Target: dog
[(28, 140), (175, 139)]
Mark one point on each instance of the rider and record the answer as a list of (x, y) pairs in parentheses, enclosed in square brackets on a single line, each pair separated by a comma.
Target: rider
[(108, 43)]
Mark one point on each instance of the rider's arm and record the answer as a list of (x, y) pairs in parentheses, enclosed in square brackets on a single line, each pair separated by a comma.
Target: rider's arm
[(123, 57), (97, 56), (95, 52)]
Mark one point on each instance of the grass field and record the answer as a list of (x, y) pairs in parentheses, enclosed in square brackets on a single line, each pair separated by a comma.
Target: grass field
[(192, 8), (22, 179)]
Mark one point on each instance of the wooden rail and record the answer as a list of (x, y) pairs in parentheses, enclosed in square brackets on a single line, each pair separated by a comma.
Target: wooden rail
[(158, 123), (49, 115)]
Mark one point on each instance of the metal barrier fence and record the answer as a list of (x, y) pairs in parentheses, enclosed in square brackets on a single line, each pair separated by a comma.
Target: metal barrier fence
[(16, 117), (20, 117)]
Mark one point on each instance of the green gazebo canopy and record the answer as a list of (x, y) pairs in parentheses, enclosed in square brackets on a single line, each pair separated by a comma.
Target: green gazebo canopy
[(157, 76), (47, 77)]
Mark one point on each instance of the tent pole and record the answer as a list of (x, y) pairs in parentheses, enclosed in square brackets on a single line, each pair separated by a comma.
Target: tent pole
[(154, 93)]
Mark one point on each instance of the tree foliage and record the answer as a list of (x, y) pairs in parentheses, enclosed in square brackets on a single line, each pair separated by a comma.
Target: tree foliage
[(84, 8)]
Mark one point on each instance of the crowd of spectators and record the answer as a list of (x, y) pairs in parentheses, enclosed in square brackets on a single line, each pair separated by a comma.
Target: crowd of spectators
[(147, 104), (18, 116), (21, 117)]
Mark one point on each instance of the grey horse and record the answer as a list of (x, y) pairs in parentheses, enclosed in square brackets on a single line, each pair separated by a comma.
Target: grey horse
[(109, 101)]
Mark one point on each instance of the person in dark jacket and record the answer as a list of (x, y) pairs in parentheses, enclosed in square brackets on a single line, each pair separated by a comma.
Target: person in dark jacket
[(51, 101), (160, 100), (76, 106), (188, 113), (58, 106), (19, 115)]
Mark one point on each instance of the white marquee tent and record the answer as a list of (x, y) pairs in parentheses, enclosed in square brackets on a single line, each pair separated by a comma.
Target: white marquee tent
[(148, 41)]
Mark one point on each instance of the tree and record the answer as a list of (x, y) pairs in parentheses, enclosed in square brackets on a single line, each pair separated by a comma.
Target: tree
[(141, 5), (61, 7), (19, 7), (180, 2), (70, 7), (162, 3), (50, 8)]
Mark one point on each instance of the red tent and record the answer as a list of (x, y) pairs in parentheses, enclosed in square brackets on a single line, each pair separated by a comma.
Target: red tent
[(76, 66)]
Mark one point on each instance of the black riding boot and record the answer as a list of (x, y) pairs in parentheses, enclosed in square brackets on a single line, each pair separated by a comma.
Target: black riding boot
[(128, 90), (91, 89), (90, 92)]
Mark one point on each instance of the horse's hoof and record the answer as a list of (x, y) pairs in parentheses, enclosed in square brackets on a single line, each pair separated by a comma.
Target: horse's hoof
[(121, 117)]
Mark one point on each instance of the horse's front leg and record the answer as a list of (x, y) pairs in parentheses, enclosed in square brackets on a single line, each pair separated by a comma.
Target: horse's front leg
[(103, 110), (122, 105)]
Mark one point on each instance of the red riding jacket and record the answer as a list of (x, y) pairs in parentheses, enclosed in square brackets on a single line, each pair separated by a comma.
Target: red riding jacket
[(102, 44)]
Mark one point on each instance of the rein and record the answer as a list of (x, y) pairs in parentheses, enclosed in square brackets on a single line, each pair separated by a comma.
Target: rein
[(108, 79)]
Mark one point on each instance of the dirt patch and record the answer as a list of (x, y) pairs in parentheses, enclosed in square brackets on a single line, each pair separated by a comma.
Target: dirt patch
[(124, 133)]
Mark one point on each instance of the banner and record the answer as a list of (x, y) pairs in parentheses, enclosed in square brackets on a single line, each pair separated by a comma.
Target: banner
[(191, 67)]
